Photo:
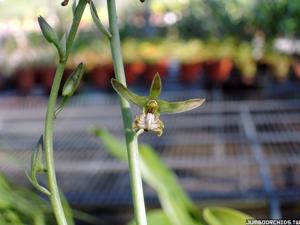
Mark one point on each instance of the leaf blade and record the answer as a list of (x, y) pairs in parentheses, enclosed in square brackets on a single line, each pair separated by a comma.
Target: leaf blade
[(224, 216)]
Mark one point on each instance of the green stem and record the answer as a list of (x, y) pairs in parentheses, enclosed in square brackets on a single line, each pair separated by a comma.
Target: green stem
[(131, 137), (49, 122)]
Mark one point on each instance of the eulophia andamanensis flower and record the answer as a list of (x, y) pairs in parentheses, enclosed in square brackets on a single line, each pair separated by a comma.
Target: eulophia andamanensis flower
[(152, 106)]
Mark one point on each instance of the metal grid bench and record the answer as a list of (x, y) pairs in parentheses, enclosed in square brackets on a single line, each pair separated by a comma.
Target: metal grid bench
[(225, 149)]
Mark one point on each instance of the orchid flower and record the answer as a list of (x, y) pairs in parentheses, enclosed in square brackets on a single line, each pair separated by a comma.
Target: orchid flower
[(152, 106)]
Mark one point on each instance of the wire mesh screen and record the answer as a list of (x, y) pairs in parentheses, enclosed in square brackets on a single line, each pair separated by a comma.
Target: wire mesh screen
[(225, 149)]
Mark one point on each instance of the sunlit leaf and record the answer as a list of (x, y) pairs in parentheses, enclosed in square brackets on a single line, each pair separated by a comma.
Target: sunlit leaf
[(155, 217), (116, 147), (127, 94), (176, 204), (224, 216), (67, 209), (178, 107), (155, 89)]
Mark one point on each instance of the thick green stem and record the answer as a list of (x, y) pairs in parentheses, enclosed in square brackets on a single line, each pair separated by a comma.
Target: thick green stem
[(49, 122), (131, 137)]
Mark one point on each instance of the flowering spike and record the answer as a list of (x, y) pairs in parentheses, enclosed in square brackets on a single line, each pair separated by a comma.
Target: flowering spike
[(123, 91), (178, 107), (155, 89)]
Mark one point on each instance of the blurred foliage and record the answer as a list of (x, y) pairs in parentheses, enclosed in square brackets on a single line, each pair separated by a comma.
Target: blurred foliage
[(19, 206), (177, 207), (277, 18), (215, 18), (198, 31)]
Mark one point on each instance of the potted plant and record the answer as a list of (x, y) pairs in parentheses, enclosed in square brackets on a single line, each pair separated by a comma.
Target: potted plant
[(99, 66), (45, 68), (279, 64), (190, 56), (154, 53), (219, 60), (246, 64), (134, 66), (296, 66)]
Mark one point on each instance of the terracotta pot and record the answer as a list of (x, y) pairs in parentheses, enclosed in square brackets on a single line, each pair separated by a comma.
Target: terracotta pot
[(248, 81), (152, 69), (296, 69), (3, 82), (101, 75), (25, 80), (219, 71), (189, 73), (133, 71), (46, 77)]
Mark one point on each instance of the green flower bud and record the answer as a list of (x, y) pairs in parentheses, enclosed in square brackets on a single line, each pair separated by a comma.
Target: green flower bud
[(73, 81), (48, 32)]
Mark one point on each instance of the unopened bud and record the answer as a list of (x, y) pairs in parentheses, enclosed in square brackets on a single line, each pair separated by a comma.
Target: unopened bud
[(73, 81), (47, 31)]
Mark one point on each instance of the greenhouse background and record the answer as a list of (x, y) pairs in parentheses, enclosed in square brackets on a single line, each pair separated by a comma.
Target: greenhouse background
[(241, 149)]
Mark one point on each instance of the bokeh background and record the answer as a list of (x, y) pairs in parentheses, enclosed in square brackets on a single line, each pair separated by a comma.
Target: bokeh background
[(240, 149)]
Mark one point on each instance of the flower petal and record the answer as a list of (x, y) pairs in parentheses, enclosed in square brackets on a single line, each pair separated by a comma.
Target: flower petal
[(127, 94), (178, 107), (155, 89)]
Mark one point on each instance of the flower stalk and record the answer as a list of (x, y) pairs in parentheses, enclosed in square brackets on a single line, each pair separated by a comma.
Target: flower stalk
[(130, 135), (49, 122)]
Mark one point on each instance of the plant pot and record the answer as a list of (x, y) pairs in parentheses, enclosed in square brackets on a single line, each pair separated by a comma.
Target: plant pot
[(219, 70), (3, 82), (296, 69), (101, 75), (190, 72), (152, 69), (248, 81), (133, 71), (25, 80)]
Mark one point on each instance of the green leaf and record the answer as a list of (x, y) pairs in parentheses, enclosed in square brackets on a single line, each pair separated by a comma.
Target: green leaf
[(177, 205), (127, 94), (178, 107), (73, 81), (224, 216), (116, 147), (97, 20), (37, 166), (67, 209), (155, 89), (155, 217), (47, 31)]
